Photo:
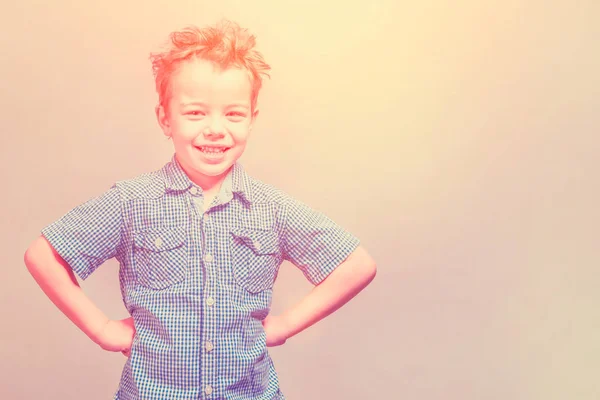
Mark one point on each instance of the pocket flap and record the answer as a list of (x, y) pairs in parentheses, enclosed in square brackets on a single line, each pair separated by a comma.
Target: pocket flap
[(160, 239), (260, 241)]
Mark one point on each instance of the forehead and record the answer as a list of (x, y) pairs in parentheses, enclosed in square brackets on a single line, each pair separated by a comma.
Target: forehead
[(203, 80)]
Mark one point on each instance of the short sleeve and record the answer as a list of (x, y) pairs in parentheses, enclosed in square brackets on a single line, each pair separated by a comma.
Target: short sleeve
[(313, 242), (89, 234)]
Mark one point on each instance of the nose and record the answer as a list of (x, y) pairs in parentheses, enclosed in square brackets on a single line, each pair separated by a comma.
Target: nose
[(214, 128)]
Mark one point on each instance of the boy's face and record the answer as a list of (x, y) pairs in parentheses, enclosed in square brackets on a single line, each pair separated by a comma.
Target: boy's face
[(208, 108)]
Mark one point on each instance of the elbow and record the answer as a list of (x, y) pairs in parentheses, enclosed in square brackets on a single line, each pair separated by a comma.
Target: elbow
[(368, 266), (363, 265), (31, 254), (372, 270), (28, 253), (369, 270), (29, 257)]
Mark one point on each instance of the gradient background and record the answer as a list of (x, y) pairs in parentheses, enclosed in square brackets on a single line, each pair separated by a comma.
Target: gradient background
[(458, 140)]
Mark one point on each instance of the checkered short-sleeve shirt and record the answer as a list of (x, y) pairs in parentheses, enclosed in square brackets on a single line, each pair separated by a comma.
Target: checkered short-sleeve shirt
[(198, 283)]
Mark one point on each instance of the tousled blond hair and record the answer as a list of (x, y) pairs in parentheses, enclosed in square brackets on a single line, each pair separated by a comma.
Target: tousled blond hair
[(226, 45)]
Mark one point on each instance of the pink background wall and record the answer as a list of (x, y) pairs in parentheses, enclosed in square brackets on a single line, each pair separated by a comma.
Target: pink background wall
[(458, 140)]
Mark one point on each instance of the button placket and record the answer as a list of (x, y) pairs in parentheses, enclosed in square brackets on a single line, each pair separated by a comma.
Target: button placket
[(208, 345), (208, 330)]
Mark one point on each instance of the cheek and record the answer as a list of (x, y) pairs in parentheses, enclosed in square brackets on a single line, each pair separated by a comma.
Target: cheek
[(187, 130), (240, 133)]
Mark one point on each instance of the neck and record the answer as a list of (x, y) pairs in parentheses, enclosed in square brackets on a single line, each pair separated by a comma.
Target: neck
[(207, 183)]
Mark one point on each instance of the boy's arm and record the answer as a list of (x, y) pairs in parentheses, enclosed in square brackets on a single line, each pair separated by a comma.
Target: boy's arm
[(341, 285), (330, 257), (57, 280), (78, 243)]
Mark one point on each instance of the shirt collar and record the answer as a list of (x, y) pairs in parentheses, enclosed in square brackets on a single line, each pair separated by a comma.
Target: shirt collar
[(237, 179)]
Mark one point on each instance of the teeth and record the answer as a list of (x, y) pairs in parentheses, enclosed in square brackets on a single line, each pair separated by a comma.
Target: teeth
[(211, 150)]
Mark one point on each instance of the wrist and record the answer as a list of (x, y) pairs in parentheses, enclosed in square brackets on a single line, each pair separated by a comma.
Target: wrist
[(96, 334), (287, 326)]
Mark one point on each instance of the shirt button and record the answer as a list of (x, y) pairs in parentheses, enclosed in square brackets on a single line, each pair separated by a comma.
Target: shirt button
[(209, 346), (158, 242), (194, 190), (208, 389), (208, 257), (257, 245), (210, 301)]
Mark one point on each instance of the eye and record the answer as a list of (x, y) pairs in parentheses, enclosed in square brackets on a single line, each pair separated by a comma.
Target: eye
[(236, 115), (196, 113)]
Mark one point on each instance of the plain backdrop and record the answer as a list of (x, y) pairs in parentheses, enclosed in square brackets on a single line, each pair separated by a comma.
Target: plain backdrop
[(458, 140)]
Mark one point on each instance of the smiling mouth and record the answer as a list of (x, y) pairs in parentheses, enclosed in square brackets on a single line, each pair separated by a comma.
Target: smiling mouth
[(213, 150)]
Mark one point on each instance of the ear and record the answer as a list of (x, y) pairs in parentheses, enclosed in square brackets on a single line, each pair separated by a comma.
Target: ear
[(254, 115), (163, 120)]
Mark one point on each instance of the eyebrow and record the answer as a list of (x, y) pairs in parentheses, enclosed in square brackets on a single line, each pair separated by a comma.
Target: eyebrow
[(199, 103), (193, 103)]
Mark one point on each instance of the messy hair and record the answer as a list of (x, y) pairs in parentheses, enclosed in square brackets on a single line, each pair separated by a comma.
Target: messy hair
[(226, 45)]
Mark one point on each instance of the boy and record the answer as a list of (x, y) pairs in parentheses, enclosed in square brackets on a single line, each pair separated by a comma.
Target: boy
[(199, 241)]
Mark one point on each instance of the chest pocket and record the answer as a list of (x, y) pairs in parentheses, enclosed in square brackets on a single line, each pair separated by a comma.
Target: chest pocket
[(160, 257), (255, 257)]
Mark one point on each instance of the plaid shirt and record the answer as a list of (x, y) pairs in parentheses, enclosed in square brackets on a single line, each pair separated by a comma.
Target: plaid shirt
[(198, 283)]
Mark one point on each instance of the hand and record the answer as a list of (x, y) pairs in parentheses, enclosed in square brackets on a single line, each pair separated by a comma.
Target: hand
[(117, 336), (276, 330)]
